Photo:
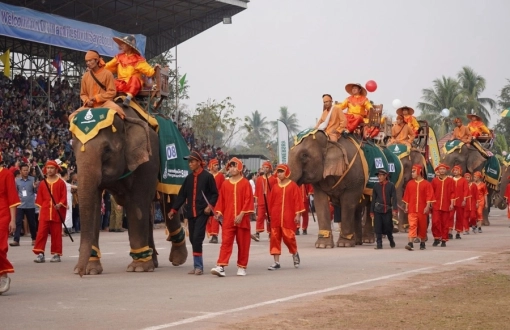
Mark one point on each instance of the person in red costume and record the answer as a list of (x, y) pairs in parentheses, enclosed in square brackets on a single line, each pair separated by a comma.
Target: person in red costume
[(285, 208), (418, 197), (263, 187), (461, 199), (50, 205), (481, 199), (213, 226), (9, 200), (235, 204), (470, 211), (444, 192), (306, 191), (357, 106), (129, 65), (507, 197)]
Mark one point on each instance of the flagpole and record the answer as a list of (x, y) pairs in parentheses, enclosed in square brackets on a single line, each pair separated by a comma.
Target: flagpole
[(176, 81), (49, 84)]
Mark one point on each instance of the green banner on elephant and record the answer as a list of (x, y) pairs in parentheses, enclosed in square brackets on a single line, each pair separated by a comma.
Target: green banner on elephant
[(87, 123), (492, 172), (451, 146), (431, 174), (172, 149), (394, 167), (399, 150), (376, 160)]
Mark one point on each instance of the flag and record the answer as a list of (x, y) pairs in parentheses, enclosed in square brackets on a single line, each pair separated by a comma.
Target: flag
[(283, 143), (56, 63), (182, 81), (505, 113), (6, 60)]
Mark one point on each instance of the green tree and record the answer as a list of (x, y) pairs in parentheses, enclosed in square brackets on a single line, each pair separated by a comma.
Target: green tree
[(472, 86), (290, 120), (502, 128), (257, 130)]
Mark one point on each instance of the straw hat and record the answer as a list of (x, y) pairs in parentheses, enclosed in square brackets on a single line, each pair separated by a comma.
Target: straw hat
[(472, 115), (348, 88), (400, 110), (129, 40)]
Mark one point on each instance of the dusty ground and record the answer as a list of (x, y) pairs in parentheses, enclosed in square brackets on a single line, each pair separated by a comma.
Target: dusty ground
[(475, 296)]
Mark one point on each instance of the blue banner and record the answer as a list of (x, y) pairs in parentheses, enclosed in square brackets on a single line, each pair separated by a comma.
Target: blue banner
[(28, 24)]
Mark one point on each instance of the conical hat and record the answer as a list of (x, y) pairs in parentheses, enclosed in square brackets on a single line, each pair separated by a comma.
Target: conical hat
[(410, 111), (348, 88), (471, 115), (128, 40)]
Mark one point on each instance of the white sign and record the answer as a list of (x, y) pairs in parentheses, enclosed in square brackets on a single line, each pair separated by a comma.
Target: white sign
[(171, 151)]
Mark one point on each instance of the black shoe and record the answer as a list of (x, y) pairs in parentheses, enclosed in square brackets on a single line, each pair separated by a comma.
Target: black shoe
[(305, 232), (458, 236), (392, 244), (214, 239), (443, 244), (14, 243), (378, 247), (422, 246), (436, 242), (450, 236), (410, 246), (297, 232)]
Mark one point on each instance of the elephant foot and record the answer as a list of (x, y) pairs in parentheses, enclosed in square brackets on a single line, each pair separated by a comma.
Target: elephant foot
[(486, 222), (94, 267), (141, 266), (324, 242), (368, 239), (344, 242), (155, 260), (178, 254)]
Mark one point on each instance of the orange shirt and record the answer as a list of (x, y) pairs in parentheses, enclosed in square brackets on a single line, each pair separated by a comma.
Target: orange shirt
[(444, 193), (285, 203), (461, 190), (462, 133), (356, 105), (481, 191), (89, 87), (417, 195), (336, 121), (479, 127), (412, 122), (261, 188), (235, 197), (130, 65), (402, 134)]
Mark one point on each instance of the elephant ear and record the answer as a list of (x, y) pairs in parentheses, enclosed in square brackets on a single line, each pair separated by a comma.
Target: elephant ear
[(138, 147), (335, 160)]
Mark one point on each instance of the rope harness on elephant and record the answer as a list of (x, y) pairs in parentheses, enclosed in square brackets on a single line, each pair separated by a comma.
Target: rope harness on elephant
[(349, 166)]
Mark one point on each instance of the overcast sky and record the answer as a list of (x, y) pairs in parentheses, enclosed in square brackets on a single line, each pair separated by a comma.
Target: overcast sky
[(290, 52)]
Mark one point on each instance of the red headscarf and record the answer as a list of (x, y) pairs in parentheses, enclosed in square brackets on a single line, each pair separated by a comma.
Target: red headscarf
[(418, 168), (239, 163), (213, 162), (478, 174), (467, 175), (285, 168), (446, 167), (268, 164), (457, 167), (51, 163)]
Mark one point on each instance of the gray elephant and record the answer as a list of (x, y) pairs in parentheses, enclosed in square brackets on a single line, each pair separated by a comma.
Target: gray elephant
[(121, 156), (335, 169)]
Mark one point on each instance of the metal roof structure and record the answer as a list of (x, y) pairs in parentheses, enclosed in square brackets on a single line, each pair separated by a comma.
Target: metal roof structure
[(165, 23)]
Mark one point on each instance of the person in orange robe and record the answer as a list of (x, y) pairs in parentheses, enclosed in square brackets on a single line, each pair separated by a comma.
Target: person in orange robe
[(481, 199), (50, 222), (213, 226), (461, 132), (401, 133), (470, 211), (9, 200), (418, 197), (461, 199), (444, 193), (285, 208), (235, 204), (507, 197), (357, 106), (332, 120), (476, 126), (129, 65), (306, 191), (407, 113), (263, 187)]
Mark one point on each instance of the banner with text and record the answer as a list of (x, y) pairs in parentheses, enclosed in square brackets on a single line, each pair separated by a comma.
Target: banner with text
[(283, 143), (28, 24)]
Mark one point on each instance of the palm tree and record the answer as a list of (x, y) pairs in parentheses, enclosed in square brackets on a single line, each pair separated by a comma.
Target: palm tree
[(502, 128), (444, 95), (290, 120), (471, 87), (256, 127)]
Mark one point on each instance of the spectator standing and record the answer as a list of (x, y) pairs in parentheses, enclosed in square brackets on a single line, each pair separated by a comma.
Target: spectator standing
[(26, 188)]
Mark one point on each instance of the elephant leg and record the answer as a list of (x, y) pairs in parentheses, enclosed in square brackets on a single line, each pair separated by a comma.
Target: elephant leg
[(486, 221), (152, 245), (351, 212), (176, 235), (137, 211), (325, 237), (368, 227)]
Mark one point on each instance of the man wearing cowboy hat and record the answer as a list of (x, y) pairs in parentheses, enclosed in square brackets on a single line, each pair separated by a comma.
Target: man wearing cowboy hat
[(401, 133), (332, 120), (407, 113), (129, 65), (476, 126), (357, 106), (461, 132)]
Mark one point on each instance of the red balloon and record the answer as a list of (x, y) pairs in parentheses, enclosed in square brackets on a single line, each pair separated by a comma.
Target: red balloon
[(371, 86)]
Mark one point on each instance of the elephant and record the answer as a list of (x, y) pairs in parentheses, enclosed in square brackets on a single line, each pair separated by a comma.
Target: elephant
[(123, 159), (335, 170), (470, 160), (499, 197)]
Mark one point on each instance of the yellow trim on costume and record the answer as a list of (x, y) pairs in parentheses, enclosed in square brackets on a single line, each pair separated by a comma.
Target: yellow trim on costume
[(142, 113), (142, 249), (14, 205), (443, 149)]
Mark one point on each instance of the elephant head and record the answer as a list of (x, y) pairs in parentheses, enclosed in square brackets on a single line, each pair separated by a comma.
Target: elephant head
[(499, 200), (468, 158)]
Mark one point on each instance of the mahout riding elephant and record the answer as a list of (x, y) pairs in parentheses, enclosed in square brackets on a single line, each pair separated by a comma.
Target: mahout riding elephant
[(122, 158), (336, 171)]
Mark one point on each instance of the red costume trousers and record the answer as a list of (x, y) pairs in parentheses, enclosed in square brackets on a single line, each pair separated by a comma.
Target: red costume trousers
[(54, 228), (417, 225), (5, 265), (261, 218), (457, 219), (469, 219), (479, 210), (243, 239), (212, 227), (353, 121), (287, 235), (132, 87), (304, 216), (440, 221)]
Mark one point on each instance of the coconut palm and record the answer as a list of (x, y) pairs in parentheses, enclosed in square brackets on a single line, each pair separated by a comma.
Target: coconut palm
[(256, 127), (503, 126), (472, 86), (290, 120)]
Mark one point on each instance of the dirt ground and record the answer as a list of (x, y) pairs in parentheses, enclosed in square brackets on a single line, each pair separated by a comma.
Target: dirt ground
[(474, 296)]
